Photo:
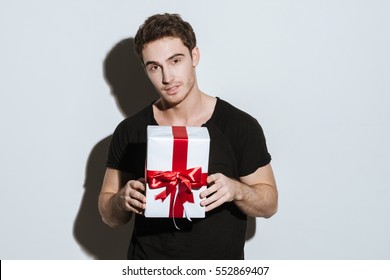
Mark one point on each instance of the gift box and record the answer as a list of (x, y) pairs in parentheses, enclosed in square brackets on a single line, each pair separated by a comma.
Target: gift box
[(176, 171)]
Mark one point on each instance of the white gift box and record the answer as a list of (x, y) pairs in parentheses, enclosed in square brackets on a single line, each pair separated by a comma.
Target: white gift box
[(176, 171)]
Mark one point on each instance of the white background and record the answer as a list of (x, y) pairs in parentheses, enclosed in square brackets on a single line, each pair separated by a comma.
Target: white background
[(316, 74)]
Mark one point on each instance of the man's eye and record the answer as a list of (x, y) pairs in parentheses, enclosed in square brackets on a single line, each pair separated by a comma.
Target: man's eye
[(153, 68), (176, 60)]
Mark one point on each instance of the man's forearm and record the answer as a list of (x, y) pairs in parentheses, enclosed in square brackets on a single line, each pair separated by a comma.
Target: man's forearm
[(112, 214), (260, 200)]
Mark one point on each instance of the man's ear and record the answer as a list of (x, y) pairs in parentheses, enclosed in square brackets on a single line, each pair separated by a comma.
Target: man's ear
[(195, 56)]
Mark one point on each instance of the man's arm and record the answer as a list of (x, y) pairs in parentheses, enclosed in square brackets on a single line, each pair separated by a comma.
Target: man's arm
[(116, 203), (256, 194)]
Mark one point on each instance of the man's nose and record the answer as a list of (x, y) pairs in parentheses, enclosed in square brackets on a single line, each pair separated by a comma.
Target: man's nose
[(166, 76)]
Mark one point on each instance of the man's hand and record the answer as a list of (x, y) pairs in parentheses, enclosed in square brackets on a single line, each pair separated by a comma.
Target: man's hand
[(221, 189), (255, 195), (132, 196)]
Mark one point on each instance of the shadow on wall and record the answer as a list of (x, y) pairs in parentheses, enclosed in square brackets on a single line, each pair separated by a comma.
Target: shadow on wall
[(132, 91)]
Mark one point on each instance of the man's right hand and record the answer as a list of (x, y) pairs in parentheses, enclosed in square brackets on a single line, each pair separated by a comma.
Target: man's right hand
[(132, 196), (119, 197)]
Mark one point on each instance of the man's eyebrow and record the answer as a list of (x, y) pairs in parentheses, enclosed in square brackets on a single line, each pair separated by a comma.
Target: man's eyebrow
[(151, 62), (169, 58), (175, 55)]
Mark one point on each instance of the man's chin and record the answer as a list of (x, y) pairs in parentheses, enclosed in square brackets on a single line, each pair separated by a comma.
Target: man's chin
[(170, 101)]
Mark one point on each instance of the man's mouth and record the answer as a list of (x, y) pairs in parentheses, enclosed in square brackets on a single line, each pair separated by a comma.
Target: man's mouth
[(172, 89)]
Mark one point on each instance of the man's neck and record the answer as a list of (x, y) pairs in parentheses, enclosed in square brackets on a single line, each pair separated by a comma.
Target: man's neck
[(194, 110)]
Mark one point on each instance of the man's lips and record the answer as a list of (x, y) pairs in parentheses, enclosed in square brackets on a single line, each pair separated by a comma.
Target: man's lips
[(172, 89)]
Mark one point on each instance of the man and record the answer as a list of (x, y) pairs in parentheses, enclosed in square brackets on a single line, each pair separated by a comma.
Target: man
[(240, 182)]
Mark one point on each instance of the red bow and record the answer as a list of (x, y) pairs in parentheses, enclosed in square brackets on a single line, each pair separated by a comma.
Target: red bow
[(183, 181)]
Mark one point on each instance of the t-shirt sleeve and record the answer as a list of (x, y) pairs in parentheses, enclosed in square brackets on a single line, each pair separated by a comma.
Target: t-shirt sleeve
[(117, 147), (127, 150), (252, 151)]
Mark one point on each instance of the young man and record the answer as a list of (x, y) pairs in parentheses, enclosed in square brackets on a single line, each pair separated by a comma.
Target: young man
[(240, 182)]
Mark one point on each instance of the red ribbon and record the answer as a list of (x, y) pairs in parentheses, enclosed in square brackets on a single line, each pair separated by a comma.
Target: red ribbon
[(185, 179)]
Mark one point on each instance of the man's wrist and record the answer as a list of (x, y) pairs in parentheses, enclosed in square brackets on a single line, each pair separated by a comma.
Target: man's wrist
[(239, 190), (117, 202)]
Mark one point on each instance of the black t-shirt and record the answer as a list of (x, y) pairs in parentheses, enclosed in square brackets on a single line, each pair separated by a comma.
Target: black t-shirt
[(237, 148)]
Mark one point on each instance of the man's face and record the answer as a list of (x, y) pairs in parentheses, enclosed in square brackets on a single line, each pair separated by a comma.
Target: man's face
[(171, 68)]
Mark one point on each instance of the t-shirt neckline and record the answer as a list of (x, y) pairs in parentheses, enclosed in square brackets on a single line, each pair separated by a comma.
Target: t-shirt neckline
[(203, 125)]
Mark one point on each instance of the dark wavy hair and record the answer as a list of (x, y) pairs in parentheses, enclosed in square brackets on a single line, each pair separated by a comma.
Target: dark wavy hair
[(161, 26)]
